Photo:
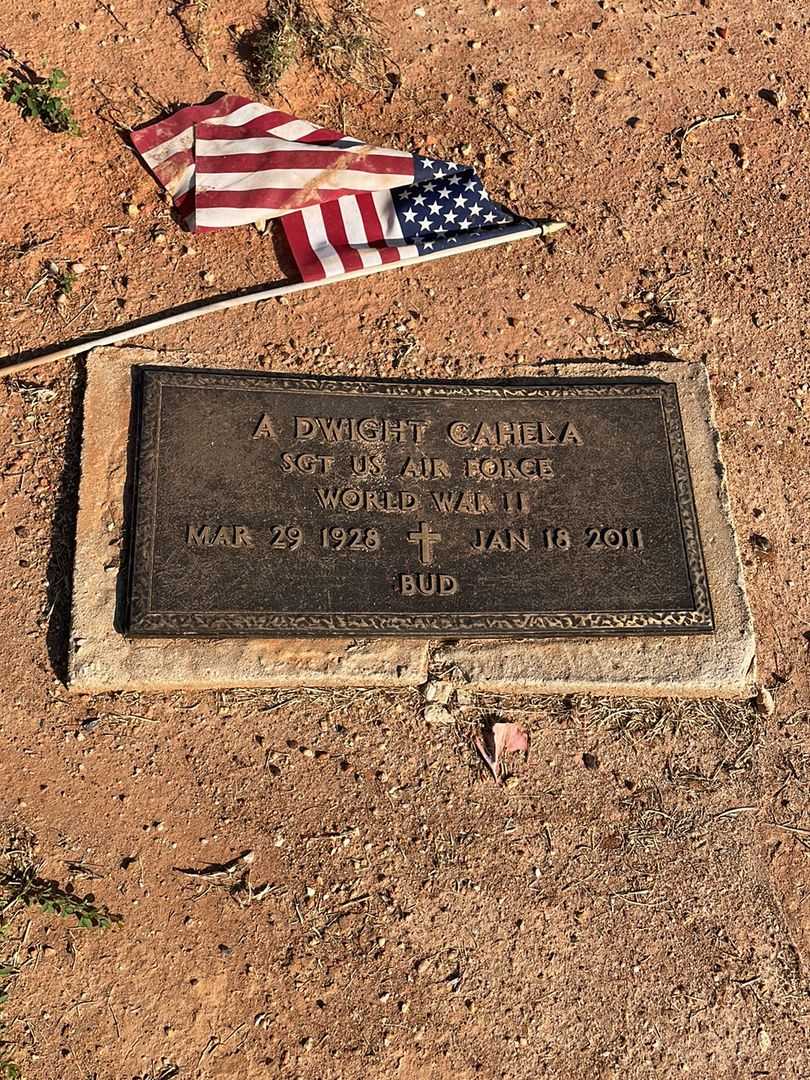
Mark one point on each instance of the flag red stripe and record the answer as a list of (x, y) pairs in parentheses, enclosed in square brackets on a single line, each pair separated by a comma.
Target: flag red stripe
[(267, 198), (304, 159), (147, 138), (371, 222), (325, 135), (336, 233), (306, 260), (251, 129), (387, 254), (373, 229), (184, 204), (173, 166)]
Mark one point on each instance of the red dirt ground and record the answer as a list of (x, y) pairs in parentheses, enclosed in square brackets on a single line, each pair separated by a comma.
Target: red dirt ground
[(646, 918)]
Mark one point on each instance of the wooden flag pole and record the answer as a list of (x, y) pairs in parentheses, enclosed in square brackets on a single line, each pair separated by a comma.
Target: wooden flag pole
[(160, 322)]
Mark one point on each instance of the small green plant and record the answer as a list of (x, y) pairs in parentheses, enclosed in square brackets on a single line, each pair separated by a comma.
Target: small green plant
[(39, 99), (64, 280), (24, 887), (8, 969)]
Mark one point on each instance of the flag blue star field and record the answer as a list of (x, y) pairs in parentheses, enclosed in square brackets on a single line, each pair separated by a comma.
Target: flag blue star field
[(446, 205), (345, 205)]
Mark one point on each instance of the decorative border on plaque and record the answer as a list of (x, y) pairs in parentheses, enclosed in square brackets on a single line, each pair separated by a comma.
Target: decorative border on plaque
[(143, 620)]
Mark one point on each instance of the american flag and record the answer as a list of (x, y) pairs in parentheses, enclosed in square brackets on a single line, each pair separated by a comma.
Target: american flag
[(345, 206)]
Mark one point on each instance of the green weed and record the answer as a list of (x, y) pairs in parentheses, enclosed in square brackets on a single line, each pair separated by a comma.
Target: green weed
[(8, 969), (24, 887), (64, 280), (39, 99)]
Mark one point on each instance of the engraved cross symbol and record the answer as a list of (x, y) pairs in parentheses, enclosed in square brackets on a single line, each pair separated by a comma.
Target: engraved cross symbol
[(425, 539)]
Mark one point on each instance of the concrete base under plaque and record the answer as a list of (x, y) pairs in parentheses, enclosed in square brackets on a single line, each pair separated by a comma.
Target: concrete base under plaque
[(720, 664)]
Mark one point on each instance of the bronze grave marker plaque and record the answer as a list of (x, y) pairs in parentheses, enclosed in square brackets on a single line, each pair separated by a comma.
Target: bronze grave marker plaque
[(266, 506)]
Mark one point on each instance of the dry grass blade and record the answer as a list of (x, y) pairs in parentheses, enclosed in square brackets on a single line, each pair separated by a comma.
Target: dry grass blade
[(680, 135), (271, 45), (346, 44), (191, 14), (349, 47), (217, 870), (648, 311)]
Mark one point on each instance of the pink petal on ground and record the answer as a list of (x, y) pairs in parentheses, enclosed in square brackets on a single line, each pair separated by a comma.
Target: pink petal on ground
[(498, 740), (509, 738)]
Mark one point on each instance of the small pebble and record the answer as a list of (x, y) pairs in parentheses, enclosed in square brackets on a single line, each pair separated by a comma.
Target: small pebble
[(436, 713), (419, 12), (77, 268), (764, 1040), (606, 75), (133, 210), (207, 277), (760, 542), (764, 703), (474, 44)]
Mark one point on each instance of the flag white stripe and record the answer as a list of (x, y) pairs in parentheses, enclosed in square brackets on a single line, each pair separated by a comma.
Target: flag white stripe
[(243, 115), (221, 217), (185, 139), (389, 222), (262, 144), (314, 179), (391, 227), (295, 129), (319, 241), (158, 154)]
